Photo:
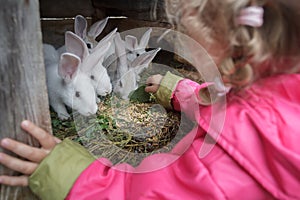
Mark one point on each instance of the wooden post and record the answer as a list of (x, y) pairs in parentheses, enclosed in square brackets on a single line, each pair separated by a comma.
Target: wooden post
[(22, 79)]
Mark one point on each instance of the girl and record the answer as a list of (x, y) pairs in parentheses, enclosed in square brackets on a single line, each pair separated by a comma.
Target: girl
[(255, 44)]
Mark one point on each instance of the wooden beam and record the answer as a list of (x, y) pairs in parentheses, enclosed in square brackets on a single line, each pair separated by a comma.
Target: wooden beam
[(147, 10), (66, 8), (23, 93)]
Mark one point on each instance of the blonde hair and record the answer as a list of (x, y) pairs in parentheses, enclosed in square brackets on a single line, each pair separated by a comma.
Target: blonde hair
[(248, 52)]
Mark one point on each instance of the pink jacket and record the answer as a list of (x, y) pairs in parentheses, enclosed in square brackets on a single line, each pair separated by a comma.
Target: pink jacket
[(256, 156)]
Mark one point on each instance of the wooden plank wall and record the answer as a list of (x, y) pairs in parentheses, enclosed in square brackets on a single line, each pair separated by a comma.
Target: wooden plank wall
[(56, 18), (146, 10), (66, 8), (139, 13)]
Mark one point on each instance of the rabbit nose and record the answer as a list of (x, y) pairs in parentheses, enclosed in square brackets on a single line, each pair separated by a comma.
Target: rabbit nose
[(109, 89), (93, 110), (107, 92)]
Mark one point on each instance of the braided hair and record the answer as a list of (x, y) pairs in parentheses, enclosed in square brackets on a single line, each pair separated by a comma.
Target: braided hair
[(248, 53)]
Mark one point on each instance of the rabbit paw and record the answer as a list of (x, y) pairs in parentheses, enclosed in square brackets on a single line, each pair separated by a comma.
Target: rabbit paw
[(63, 116)]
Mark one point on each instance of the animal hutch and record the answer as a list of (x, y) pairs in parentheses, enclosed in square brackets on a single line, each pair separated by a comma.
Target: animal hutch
[(58, 16), (24, 26)]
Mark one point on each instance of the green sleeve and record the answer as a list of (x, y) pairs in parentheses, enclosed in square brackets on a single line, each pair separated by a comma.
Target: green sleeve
[(166, 88), (59, 170)]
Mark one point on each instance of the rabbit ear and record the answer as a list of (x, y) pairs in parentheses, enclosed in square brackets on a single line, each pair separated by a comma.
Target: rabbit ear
[(145, 39), (94, 58), (142, 61), (68, 66), (97, 28), (106, 39), (80, 26), (131, 42), (74, 44), (121, 55)]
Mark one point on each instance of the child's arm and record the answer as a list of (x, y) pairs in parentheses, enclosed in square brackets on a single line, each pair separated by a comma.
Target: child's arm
[(52, 170), (49, 171), (175, 92)]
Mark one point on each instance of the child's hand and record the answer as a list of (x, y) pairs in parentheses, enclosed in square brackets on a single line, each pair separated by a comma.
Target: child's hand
[(33, 155), (153, 82)]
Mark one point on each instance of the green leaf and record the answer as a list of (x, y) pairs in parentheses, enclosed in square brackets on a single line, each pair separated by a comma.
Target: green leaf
[(140, 95)]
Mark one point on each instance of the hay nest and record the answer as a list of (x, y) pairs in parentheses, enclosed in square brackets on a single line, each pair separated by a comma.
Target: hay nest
[(127, 131)]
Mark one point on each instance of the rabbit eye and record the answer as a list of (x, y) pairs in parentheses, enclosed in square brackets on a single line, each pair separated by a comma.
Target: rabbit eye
[(92, 77), (89, 45), (137, 54), (77, 94)]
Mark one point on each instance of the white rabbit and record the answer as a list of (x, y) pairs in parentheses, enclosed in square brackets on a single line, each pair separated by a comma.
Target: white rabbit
[(92, 62), (108, 38), (80, 26), (67, 85), (50, 55), (89, 37), (135, 48), (128, 72), (113, 61)]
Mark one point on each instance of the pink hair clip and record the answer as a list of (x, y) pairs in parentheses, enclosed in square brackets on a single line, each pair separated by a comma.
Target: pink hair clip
[(251, 16)]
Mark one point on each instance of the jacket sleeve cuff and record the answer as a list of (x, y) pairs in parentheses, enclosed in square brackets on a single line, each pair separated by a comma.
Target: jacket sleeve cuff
[(166, 88), (58, 172), (204, 94)]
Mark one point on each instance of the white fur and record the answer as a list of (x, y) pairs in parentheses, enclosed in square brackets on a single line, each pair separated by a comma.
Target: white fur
[(128, 73), (67, 85), (135, 48), (89, 36), (91, 62)]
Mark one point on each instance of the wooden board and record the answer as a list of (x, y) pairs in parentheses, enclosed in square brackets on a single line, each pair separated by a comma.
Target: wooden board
[(66, 8), (23, 93), (147, 10)]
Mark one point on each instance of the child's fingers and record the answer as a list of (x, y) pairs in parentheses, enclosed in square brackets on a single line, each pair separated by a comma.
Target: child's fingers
[(150, 81), (15, 164), (154, 79), (46, 140), (151, 88), (24, 150), (14, 180), (57, 140)]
